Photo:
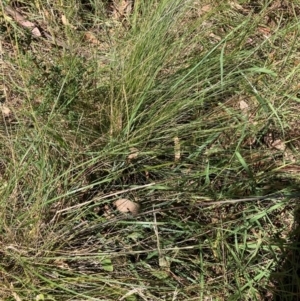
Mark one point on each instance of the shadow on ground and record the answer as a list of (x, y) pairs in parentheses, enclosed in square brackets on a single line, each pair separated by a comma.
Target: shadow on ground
[(285, 280)]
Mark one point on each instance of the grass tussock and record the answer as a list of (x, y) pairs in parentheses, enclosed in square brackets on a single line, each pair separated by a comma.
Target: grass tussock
[(184, 110)]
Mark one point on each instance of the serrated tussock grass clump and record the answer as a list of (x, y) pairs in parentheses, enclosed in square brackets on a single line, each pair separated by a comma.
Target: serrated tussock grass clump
[(168, 104)]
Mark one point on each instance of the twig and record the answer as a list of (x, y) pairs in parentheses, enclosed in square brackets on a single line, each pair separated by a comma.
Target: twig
[(103, 197), (232, 201)]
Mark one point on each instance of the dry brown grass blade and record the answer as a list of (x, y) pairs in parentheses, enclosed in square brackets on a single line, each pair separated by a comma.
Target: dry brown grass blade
[(177, 153)]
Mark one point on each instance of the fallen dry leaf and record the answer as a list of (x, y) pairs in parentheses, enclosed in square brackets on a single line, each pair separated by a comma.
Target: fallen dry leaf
[(134, 152), (108, 213), (127, 206), (235, 5), (214, 36), (243, 106), (274, 143), (66, 22), (121, 8), (22, 21), (27, 24), (205, 9), (278, 144), (18, 17), (89, 36), (5, 111), (289, 156), (266, 31)]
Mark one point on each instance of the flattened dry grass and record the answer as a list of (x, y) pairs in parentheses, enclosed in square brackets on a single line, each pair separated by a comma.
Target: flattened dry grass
[(171, 105)]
